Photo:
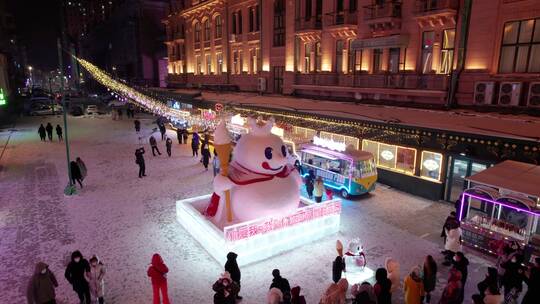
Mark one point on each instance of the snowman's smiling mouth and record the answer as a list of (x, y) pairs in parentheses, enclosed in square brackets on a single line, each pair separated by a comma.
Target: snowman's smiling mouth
[(266, 166)]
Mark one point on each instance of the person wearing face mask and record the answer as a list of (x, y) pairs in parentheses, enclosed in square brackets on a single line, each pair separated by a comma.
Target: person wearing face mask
[(512, 279), (95, 280), (75, 274), (41, 286)]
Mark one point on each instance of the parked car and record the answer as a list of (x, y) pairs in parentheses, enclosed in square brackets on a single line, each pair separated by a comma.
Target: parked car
[(43, 109), (92, 110), (76, 111)]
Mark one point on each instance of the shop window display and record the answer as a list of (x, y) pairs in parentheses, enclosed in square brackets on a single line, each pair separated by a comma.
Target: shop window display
[(431, 165)]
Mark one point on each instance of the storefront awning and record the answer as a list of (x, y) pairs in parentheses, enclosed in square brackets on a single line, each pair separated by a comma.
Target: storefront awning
[(511, 176), (381, 42)]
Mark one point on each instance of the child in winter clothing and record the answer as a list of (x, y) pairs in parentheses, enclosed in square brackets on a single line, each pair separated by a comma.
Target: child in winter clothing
[(282, 284), (413, 287), (157, 271), (41, 285), (95, 280)]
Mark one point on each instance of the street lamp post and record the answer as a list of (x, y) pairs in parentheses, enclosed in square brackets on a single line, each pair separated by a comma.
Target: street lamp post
[(70, 188), (31, 78)]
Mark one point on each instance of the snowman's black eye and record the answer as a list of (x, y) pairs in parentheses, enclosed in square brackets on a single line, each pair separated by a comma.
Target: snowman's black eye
[(268, 153), (284, 151)]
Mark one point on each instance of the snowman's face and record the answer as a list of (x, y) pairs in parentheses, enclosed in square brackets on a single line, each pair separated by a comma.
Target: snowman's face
[(264, 154)]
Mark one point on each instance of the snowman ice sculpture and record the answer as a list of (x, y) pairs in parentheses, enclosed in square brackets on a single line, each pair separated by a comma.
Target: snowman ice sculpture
[(355, 259), (261, 181)]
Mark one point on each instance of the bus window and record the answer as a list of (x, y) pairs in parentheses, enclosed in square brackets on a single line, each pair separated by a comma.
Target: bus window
[(365, 167)]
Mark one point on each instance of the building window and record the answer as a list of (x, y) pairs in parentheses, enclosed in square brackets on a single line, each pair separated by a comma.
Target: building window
[(353, 6), (297, 54), (199, 65), (318, 57), (339, 57), (308, 9), (350, 55), (257, 19), (447, 51), (207, 30), (254, 53), (358, 60), (219, 59), (520, 49), (392, 157), (279, 23), (219, 27), (251, 17), (233, 23), (427, 51), (307, 57), (197, 32), (240, 23), (377, 60), (208, 59), (393, 60), (240, 62), (236, 69), (430, 166)]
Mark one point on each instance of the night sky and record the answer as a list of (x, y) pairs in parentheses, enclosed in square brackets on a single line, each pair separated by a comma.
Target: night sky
[(38, 27)]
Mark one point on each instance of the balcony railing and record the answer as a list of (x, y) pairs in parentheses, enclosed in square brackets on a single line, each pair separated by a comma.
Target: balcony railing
[(312, 24), (432, 6), (389, 9), (339, 18)]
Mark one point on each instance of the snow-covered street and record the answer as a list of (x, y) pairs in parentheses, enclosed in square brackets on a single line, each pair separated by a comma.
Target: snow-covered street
[(124, 220)]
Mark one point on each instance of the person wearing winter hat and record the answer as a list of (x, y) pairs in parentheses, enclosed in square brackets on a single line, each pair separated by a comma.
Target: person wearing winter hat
[(41, 286), (75, 275), (225, 289), (231, 266), (413, 287), (95, 280), (157, 271), (282, 284)]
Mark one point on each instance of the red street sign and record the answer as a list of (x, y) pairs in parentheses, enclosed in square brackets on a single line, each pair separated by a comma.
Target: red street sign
[(218, 107)]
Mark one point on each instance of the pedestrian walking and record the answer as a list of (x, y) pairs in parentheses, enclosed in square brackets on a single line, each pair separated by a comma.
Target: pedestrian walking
[(310, 180), (282, 284), (215, 163), (153, 144), (382, 287), (168, 145), (413, 287), (82, 168), (453, 243), (318, 189), (452, 292), (75, 275), (42, 133), (430, 276), (185, 136), (157, 271), (532, 279), (139, 160), (137, 124), (49, 129), (119, 114), (59, 133), (231, 266), (41, 286), (450, 223), (179, 135), (95, 280), (162, 130), (195, 144), (205, 152), (76, 175)]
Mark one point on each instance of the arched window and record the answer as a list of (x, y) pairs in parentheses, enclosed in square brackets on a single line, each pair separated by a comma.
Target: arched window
[(207, 30), (219, 27), (197, 32)]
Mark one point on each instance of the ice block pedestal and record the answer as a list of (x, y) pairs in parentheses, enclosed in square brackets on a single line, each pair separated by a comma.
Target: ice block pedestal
[(262, 238)]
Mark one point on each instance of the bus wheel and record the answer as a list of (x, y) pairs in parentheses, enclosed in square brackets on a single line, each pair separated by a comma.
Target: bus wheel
[(344, 193)]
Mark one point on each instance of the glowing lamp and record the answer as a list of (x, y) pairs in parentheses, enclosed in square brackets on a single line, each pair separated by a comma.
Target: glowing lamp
[(330, 144), (431, 165)]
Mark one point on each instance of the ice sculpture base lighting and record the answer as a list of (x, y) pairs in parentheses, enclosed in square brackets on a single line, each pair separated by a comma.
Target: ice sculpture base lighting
[(259, 239)]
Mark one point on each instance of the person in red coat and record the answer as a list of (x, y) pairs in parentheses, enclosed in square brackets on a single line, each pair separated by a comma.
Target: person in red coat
[(157, 271)]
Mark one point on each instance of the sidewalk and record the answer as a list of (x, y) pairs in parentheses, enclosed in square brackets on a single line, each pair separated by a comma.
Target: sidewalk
[(489, 124)]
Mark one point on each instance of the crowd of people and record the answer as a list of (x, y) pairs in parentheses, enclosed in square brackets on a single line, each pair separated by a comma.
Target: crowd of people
[(47, 132)]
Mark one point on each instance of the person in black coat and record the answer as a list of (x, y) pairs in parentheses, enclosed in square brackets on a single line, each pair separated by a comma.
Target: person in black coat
[(532, 279), (137, 124), (195, 144), (450, 223), (59, 132), (75, 275), (153, 144), (162, 130), (205, 152), (42, 133), (168, 145), (461, 263), (514, 275), (179, 135), (49, 129), (139, 160), (231, 266), (338, 266), (185, 135), (75, 173), (281, 284), (490, 280), (310, 179)]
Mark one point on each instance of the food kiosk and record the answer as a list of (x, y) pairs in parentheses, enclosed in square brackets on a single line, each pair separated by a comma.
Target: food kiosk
[(500, 206)]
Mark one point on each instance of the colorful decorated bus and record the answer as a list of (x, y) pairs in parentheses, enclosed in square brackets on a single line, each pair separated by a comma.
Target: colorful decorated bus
[(349, 171)]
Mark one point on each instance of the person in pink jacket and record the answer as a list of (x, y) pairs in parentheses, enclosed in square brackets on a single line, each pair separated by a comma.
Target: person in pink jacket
[(157, 271)]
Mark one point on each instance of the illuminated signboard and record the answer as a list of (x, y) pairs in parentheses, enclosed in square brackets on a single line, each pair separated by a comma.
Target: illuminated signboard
[(332, 145), (3, 100), (387, 154), (431, 165)]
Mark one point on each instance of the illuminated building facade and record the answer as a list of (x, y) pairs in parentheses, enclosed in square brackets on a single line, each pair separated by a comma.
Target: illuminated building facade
[(409, 51)]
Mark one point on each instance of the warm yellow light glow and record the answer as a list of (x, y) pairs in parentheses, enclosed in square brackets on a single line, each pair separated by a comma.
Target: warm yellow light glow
[(266, 67)]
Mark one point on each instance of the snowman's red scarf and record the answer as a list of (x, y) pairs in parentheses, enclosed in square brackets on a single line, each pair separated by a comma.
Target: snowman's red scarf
[(241, 175)]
